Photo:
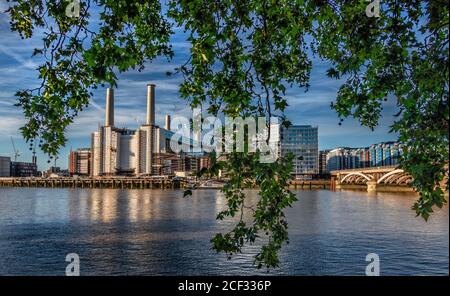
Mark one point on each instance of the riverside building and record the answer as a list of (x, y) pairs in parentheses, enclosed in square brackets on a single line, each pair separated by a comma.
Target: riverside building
[(376, 155), (80, 162), (303, 142), (142, 152)]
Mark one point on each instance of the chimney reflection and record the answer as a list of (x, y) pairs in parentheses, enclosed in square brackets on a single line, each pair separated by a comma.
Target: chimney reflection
[(104, 205), (139, 206)]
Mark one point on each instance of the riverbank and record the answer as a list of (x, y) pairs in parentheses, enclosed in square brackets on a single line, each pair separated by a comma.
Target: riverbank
[(175, 183), (112, 182)]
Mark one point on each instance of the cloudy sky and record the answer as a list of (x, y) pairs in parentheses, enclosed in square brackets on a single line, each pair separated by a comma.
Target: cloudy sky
[(17, 71)]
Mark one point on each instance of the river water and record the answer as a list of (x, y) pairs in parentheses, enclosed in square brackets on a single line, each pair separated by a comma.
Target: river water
[(155, 232)]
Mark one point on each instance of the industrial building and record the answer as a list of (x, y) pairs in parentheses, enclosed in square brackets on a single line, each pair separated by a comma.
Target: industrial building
[(142, 152)]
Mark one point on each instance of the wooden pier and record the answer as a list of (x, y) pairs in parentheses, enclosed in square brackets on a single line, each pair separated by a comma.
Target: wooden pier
[(140, 183), (120, 183), (310, 184)]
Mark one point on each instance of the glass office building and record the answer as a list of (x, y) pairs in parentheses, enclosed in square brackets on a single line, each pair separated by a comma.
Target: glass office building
[(303, 142), (385, 154), (377, 155)]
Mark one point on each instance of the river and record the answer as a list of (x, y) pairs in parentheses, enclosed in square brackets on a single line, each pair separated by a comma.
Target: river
[(156, 232)]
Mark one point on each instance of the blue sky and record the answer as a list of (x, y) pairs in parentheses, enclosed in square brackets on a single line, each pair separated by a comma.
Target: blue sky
[(17, 70)]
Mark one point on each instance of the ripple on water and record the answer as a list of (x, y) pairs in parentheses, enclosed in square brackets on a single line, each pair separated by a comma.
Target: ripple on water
[(153, 232)]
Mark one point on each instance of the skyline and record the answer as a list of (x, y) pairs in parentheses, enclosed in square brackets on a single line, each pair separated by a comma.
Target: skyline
[(17, 70), (295, 172)]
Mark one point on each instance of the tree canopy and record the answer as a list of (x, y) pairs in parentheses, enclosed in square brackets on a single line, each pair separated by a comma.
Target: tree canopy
[(244, 55)]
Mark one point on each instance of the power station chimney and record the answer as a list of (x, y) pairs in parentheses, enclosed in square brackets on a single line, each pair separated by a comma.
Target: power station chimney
[(109, 107), (150, 104), (167, 124)]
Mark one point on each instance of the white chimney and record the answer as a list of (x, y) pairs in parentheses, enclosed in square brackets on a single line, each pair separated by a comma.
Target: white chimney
[(109, 107), (167, 124), (150, 104)]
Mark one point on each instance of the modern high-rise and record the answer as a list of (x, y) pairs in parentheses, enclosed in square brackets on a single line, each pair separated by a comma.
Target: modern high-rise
[(303, 142)]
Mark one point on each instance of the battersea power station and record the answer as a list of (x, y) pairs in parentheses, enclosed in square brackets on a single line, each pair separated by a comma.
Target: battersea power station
[(142, 152)]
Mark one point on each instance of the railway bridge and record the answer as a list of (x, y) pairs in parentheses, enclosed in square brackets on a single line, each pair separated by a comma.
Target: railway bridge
[(374, 178)]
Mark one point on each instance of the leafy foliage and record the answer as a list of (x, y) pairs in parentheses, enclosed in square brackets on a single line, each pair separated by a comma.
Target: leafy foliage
[(268, 214), (401, 56), (80, 55), (244, 54)]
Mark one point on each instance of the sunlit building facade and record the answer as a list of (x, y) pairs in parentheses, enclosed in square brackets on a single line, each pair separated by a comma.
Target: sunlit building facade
[(144, 151), (377, 155), (80, 162)]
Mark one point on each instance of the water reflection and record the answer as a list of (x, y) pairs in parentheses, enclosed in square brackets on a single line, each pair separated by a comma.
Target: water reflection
[(160, 232)]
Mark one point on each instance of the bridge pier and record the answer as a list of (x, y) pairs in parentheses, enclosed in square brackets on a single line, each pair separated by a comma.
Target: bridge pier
[(371, 186), (337, 182)]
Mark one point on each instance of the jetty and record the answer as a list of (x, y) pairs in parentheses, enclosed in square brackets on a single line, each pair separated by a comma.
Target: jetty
[(112, 182)]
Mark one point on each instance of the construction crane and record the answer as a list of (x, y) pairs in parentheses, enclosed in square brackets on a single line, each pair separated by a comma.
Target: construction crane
[(16, 152)]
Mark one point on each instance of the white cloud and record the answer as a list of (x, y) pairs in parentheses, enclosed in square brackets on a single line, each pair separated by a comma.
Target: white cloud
[(17, 71), (10, 124)]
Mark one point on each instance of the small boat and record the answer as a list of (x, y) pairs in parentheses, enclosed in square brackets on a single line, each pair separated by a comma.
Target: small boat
[(211, 185)]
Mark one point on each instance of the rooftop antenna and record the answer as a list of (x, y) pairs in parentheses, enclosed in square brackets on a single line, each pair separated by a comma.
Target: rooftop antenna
[(16, 152)]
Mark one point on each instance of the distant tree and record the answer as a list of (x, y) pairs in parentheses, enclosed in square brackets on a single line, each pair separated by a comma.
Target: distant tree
[(243, 56)]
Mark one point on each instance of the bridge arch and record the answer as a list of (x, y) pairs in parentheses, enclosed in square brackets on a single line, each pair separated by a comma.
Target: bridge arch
[(356, 174), (405, 178), (388, 175), (392, 178)]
